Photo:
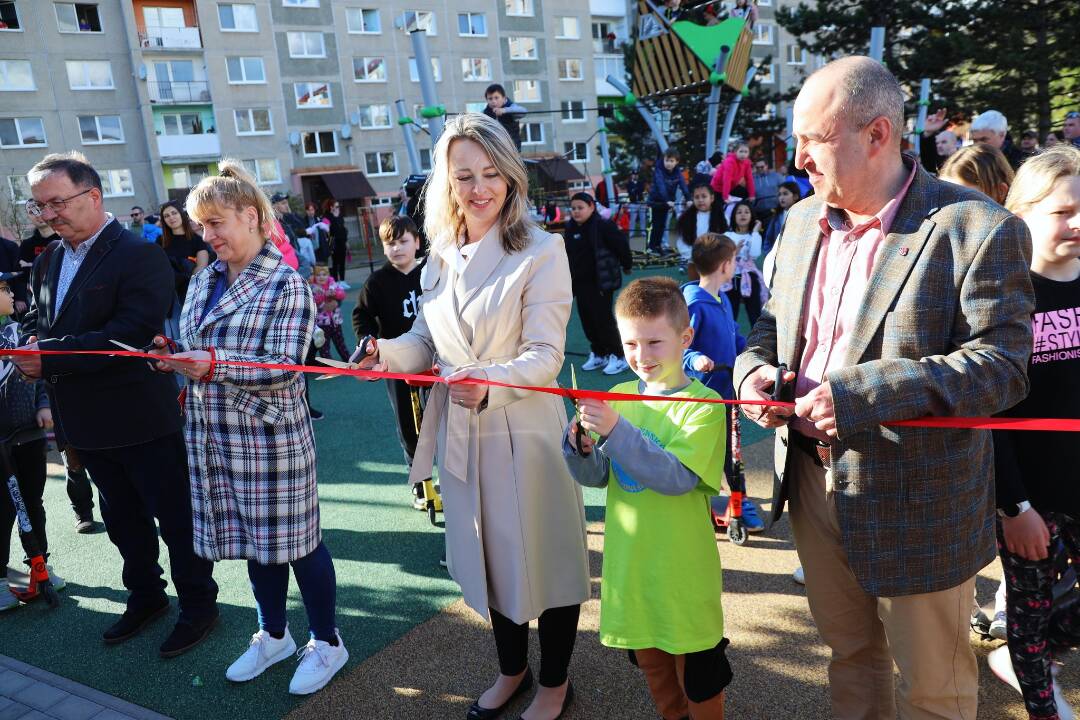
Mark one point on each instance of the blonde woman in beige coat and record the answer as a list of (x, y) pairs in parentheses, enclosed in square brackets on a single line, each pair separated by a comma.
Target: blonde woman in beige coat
[(496, 301)]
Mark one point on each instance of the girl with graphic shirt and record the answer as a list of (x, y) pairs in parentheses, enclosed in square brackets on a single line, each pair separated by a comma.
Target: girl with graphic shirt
[(1038, 505), (748, 286), (704, 216)]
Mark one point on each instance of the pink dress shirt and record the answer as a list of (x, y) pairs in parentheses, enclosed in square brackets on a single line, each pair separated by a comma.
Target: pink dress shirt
[(845, 263)]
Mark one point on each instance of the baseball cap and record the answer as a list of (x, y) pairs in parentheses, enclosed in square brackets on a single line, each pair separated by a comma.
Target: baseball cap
[(279, 196), (9, 276)]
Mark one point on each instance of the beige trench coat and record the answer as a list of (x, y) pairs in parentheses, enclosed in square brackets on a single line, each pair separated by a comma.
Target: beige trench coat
[(515, 521)]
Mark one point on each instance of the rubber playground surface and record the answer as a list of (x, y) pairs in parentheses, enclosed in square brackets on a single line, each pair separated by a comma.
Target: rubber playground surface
[(415, 650)]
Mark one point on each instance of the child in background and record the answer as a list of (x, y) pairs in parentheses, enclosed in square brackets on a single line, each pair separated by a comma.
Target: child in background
[(387, 307), (748, 285), (667, 181), (1038, 505), (328, 296), (704, 216), (660, 461), (734, 178), (717, 341), (786, 196), (24, 419), (980, 167)]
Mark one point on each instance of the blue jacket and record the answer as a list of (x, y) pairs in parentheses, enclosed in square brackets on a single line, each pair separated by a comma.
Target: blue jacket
[(664, 183), (716, 335)]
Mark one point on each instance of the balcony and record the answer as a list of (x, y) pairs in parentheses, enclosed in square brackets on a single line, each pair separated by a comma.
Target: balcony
[(194, 147), (170, 38), (172, 92)]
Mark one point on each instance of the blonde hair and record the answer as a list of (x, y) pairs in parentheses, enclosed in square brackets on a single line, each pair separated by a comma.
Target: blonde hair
[(1038, 176), (233, 187), (980, 166), (444, 220)]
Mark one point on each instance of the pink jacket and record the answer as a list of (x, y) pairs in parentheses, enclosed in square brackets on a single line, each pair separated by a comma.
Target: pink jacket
[(728, 174), (281, 242), (330, 291)]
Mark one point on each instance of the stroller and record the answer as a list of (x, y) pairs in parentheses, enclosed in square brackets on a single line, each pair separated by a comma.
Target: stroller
[(39, 584)]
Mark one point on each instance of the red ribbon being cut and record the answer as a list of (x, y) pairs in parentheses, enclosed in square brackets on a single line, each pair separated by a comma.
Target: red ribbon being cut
[(973, 423)]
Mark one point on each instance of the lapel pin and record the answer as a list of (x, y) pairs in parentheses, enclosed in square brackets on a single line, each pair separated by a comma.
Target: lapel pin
[(903, 251)]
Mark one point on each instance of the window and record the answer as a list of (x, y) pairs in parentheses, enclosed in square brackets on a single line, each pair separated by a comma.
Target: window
[(436, 69), (21, 132), (420, 20), (568, 28), (9, 17), (77, 17), (300, 3), (158, 18), (475, 69), (576, 151), (101, 129), (306, 44), (374, 117), (386, 200), (369, 69), (16, 75), (523, 8), (323, 142), (570, 69), (472, 24), (380, 163), (245, 70), (253, 121), (763, 34), (609, 65), (89, 74), (766, 74), (474, 107), (796, 55), (266, 171), (532, 133), (425, 159), (573, 110), (363, 20), (182, 124), (187, 176), (522, 48), (310, 95), (237, 17), (116, 183), (19, 189), (527, 91), (604, 39)]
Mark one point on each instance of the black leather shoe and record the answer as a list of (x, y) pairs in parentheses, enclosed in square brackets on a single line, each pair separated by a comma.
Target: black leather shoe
[(186, 636), (567, 699), (476, 712), (131, 624)]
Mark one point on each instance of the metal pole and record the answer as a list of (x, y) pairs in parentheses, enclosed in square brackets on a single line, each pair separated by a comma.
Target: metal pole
[(920, 122), (406, 124), (432, 108), (733, 109), (605, 160), (717, 78), (877, 43), (789, 136), (646, 114)]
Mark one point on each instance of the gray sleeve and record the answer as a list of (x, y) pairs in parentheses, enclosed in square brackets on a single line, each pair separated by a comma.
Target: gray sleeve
[(515, 109), (589, 470), (646, 462)]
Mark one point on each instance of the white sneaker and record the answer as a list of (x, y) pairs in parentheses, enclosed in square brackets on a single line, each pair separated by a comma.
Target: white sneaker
[(595, 362), (8, 601), (264, 651), (1064, 710), (615, 365), (319, 662), (799, 576), (999, 627), (58, 582), (344, 285), (1001, 665)]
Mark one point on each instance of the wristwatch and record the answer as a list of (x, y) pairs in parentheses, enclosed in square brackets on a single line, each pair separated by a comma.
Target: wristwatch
[(1014, 510)]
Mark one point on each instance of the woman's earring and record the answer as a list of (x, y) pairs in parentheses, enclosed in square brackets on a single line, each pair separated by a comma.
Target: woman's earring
[(251, 230)]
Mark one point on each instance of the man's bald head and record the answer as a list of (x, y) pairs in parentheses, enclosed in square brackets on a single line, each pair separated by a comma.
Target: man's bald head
[(859, 89)]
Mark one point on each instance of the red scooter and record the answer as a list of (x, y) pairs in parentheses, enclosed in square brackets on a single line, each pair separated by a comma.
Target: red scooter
[(727, 513), (39, 584)]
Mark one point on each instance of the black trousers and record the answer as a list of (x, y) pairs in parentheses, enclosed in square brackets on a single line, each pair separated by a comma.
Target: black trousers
[(558, 631), (137, 484), (337, 257), (658, 231), (598, 319), (79, 490), (753, 303), (28, 463), (401, 400)]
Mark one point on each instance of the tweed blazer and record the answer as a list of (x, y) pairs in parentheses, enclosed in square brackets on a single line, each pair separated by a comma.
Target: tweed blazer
[(944, 330), (250, 448)]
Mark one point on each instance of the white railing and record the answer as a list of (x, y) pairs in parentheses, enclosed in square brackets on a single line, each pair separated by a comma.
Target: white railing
[(170, 37), (172, 146)]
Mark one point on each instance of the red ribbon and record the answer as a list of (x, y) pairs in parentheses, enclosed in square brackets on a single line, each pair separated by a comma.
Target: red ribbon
[(973, 423)]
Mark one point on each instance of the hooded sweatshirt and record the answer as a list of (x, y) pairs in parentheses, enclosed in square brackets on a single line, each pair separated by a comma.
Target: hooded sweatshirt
[(716, 335), (19, 400), (728, 175)]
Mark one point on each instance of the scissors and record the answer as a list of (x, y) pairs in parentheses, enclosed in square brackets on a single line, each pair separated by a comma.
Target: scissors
[(580, 433), (367, 346), (169, 343)]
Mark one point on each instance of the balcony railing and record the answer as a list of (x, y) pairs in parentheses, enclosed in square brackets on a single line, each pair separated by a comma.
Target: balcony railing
[(170, 38), (173, 93), (189, 146)]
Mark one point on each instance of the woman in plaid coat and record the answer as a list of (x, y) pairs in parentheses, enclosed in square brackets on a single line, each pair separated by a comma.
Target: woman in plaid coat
[(249, 441)]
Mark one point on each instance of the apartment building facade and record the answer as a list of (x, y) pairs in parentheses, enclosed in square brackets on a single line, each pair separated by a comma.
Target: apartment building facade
[(156, 92)]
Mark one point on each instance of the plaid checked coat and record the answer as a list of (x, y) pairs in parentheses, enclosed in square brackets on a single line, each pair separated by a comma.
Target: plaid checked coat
[(250, 448), (944, 330)]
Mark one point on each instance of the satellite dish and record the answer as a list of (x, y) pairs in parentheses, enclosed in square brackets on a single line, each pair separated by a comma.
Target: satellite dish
[(294, 138), (346, 131)]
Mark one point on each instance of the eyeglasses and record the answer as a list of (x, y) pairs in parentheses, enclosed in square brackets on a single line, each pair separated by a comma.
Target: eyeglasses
[(8, 290), (37, 209)]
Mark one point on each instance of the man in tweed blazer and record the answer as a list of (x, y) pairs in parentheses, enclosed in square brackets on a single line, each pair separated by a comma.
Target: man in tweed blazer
[(895, 296)]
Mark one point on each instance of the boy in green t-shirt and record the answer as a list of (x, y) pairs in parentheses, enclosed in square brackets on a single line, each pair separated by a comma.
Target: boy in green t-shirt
[(660, 461)]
